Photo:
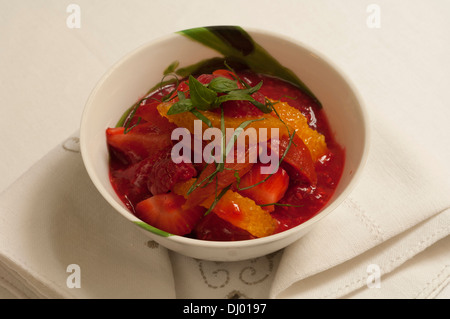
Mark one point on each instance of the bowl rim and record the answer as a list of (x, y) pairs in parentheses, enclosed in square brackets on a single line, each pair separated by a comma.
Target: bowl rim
[(241, 243)]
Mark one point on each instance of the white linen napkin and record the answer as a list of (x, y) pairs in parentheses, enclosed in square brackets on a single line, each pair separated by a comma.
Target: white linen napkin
[(53, 219), (375, 239), (401, 206)]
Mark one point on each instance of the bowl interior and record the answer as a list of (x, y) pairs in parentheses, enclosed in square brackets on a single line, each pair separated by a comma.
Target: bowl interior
[(132, 77)]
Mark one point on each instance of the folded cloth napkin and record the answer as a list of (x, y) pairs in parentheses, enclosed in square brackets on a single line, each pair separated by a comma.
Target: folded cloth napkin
[(60, 239), (400, 207), (389, 239)]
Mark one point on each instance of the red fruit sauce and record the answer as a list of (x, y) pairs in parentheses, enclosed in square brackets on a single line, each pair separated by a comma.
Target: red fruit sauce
[(131, 180)]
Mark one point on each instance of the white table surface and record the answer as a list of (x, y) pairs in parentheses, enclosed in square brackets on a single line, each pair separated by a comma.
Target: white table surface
[(49, 69)]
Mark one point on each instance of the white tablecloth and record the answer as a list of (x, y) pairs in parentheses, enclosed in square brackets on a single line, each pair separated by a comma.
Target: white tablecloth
[(395, 223)]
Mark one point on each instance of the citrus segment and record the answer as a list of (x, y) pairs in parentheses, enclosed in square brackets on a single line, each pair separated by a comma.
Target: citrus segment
[(291, 117), (238, 210), (313, 140)]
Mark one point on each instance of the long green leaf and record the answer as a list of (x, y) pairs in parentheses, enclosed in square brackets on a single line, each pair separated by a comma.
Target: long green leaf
[(235, 42), (153, 229)]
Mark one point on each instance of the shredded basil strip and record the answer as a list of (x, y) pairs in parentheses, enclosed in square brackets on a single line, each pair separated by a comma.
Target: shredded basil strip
[(217, 198), (201, 117), (237, 132)]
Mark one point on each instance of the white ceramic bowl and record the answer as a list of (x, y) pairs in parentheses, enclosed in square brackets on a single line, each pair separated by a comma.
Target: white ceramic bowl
[(131, 77)]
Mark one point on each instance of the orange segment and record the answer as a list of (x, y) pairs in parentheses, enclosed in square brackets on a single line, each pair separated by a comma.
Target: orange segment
[(240, 211), (186, 119), (183, 187), (313, 140), (243, 212), (295, 120)]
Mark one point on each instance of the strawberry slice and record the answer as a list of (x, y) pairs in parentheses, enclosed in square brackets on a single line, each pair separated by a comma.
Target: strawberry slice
[(225, 73), (165, 173), (212, 227), (164, 212), (131, 183), (270, 191), (243, 109), (154, 175), (205, 78), (297, 162), (149, 113), (220, 181), (140, 142)]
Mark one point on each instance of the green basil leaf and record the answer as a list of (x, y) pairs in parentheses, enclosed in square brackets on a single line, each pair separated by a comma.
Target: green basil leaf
[(152, 229), (235, 42), (251, 90), (181, 96), (235, 96), (171, 68), (236, 134), (222, 85), (217, 198), (200, 116), (265, 108), (201, 96), (180, 107)]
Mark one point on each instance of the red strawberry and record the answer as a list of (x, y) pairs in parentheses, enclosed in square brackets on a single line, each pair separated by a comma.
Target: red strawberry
[(164, 212), (165, 173), (220, 181), (205, 78), (131, 182), (270, 191), (149, 113), (154, 175), (225, 73), (297, 162), (212, 227), (242, 109), (140, 142)]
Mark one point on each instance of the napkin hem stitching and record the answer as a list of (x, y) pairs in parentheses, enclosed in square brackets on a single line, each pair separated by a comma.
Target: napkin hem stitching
[(438, 281), (367, 221), (13, 289), (391, 264)]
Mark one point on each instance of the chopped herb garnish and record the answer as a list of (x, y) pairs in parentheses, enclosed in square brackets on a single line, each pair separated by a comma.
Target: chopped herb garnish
[(201, 117), (201, 96), (222, 85), (207, 97), (171, 68), (217, 198)]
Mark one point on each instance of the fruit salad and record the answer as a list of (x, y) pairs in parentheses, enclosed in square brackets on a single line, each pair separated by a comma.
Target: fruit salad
[(224, 155)]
